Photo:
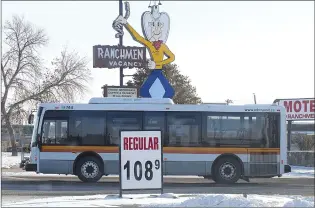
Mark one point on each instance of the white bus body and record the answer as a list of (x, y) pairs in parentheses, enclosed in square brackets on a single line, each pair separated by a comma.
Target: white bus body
[(222, 142)]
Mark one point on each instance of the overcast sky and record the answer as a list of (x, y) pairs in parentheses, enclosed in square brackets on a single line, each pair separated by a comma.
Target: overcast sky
[(228, 49)]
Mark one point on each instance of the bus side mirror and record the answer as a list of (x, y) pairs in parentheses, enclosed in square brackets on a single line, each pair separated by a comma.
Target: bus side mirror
[(30, 119)]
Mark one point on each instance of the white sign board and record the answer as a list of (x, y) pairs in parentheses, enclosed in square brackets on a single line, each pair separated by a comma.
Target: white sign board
[(122, 92), (299, 109), (141, 160)]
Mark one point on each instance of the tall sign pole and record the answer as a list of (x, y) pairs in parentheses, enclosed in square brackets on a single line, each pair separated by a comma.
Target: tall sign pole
[(119, 56), (121, 69)]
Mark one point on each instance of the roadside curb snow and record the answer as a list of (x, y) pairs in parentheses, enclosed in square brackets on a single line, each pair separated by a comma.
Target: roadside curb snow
[(170, 200), (8, 161)]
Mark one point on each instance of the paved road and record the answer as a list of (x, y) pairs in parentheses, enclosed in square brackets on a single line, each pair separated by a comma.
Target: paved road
[(18, 188)]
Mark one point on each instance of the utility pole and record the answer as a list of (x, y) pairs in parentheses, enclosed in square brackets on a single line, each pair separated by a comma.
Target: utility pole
[(121, 70), (254, 98)]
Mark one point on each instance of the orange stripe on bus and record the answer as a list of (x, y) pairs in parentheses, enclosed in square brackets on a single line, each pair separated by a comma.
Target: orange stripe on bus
[(264, 150), (187, 150)]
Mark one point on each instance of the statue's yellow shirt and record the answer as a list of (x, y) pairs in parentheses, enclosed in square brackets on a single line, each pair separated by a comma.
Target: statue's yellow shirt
[(156, 54)]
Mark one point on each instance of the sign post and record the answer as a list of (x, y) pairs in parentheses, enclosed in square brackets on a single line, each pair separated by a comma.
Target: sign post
[(140, 161), (121, 69)]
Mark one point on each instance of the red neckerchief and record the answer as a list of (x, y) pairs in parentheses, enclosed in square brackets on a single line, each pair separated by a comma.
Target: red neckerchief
[(157, 44)]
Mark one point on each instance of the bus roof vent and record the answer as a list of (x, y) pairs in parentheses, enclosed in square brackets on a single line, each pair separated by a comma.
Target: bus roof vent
[(111, 100)]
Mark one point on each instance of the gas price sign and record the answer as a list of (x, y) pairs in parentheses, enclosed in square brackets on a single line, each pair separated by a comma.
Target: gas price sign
[(140, 159)]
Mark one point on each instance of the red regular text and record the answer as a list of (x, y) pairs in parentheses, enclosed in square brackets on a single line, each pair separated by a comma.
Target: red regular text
[(141, 143)]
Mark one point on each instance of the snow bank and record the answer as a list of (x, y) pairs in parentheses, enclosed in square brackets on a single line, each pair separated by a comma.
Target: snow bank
[(236, 200), (170, 200), (300, 172), (9, 161)]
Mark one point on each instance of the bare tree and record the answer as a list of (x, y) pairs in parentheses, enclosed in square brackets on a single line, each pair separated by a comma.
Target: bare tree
[(26, 81), (228, 101)]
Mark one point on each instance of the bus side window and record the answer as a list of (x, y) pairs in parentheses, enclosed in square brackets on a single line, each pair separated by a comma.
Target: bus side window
[(184, 129), (226, 130), (213, 129), (232, 131), (258, 135), (93, 131), (266, 131), (49, 133), (154, 121), (89, 131), (120, 120), (54, 131), (274, 131), (75, 130), (61, 132), (87, 128)]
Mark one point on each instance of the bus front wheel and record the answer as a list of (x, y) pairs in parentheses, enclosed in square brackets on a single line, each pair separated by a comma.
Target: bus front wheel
[(89, 169), (227, 171)]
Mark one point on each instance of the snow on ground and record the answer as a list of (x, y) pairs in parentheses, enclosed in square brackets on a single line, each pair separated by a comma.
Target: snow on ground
[(9, 161), (170, 200), (300, 172)]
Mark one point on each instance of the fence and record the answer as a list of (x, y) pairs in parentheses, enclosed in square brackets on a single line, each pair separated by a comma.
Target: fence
[(301, 158)]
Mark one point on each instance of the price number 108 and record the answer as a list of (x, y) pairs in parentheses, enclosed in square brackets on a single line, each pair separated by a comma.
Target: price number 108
[(137, 169)]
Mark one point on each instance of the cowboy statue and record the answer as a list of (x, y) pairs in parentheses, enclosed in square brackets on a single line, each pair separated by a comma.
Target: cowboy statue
[(155, 27)]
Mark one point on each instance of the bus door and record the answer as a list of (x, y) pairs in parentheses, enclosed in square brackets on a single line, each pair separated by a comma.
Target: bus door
[(35, 142), (37, 148)]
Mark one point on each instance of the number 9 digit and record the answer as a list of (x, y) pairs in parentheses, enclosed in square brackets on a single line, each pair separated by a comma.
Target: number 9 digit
[(157, 164)]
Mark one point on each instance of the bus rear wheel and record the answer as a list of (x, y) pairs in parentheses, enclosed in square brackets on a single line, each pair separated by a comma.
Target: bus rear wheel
[(89, 169), (227, 171)]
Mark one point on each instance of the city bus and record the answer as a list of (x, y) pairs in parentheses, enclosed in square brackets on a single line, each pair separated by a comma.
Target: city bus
[(224, 143)]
